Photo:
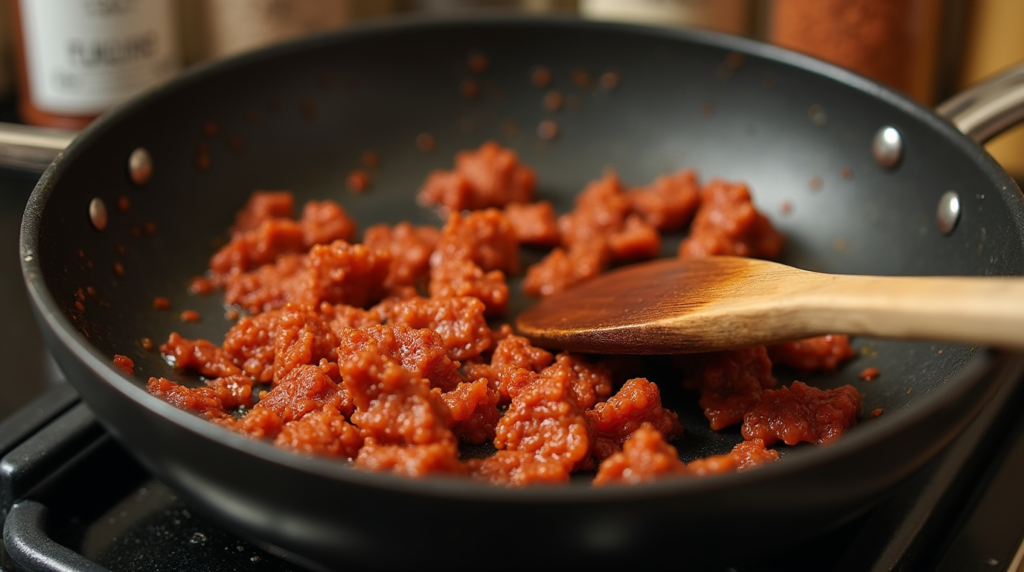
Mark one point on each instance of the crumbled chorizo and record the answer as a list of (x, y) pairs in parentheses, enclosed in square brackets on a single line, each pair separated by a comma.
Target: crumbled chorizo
[(545, 420), (474, 411), (201, 356), (591, 382), (200, 400), (802, 413), (645, 457), (366, 369), (562, 268), (250, 343), (490, 176), (260, 236), (303, 337), (821, 353), (405, 424), (637, 402), (338, 273), (744, 456), (728, 224), (464, 278), (410, 248), (534, 223), (730, 383), (324, 222), (261, 206), (484, 237), (460, 321), (306, 388), (420, 352), (669, 202), (321, 432), (517, 469)]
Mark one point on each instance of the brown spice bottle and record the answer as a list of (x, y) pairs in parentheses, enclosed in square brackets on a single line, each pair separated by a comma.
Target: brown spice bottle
[(890, 41), (75, 60)]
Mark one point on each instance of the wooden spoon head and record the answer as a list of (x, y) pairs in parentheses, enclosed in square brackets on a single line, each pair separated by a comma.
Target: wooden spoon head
[(660, 307)]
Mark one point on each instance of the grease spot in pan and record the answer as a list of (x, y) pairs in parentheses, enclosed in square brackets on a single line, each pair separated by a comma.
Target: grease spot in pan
[(203, 156), (477, 61), (358, 181), (610, 80), (425, 142), (470, 89), (547, 130), (553, 100), (540, 76), (581, 78), (326, 80), (308, 109)]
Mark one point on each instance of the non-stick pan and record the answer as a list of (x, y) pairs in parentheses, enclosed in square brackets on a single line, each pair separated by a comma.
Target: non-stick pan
[(298, 117)]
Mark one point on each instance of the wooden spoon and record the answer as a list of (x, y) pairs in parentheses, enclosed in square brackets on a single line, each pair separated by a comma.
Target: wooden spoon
[(724, 302)]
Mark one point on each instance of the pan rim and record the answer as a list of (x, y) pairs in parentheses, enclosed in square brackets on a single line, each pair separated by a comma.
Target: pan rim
[(798, 461)]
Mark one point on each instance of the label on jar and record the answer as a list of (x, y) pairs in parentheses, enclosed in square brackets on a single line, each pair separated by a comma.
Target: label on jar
[(85, 56)]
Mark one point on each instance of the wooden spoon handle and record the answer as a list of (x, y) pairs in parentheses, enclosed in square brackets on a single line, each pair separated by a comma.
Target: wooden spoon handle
[(986, 310)]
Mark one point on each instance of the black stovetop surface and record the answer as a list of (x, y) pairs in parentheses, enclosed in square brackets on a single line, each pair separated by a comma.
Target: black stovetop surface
[(72, 499)]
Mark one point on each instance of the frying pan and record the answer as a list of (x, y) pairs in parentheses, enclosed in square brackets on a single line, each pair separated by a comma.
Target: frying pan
[(299, 116)]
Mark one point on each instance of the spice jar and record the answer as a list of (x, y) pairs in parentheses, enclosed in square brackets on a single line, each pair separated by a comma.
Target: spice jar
[(77, 59), (219, 28), (726, 16), (890, 41)]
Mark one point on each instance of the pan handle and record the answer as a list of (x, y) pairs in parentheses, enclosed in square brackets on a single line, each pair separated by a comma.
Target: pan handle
[(988, 108), (30, 148)]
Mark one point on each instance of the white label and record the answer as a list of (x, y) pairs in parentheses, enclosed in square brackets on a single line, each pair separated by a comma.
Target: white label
[(85, 56)]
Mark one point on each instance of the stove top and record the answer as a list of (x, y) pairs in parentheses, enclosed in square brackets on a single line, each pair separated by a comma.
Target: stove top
[(72, 499)]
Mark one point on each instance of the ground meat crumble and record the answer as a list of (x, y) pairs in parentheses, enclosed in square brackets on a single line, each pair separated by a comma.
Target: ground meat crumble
[(387, 355)]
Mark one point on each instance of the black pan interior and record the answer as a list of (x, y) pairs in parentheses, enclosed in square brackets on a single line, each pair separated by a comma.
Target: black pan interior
[(299, 117)]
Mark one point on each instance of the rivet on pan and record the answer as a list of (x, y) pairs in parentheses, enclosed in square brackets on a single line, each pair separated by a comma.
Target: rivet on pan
[(98, 213), (887, 147), (949, 211), (140, 166)]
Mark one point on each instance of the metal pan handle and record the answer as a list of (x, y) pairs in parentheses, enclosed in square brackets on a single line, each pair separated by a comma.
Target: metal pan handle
[(988, 108), (31, 148)]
